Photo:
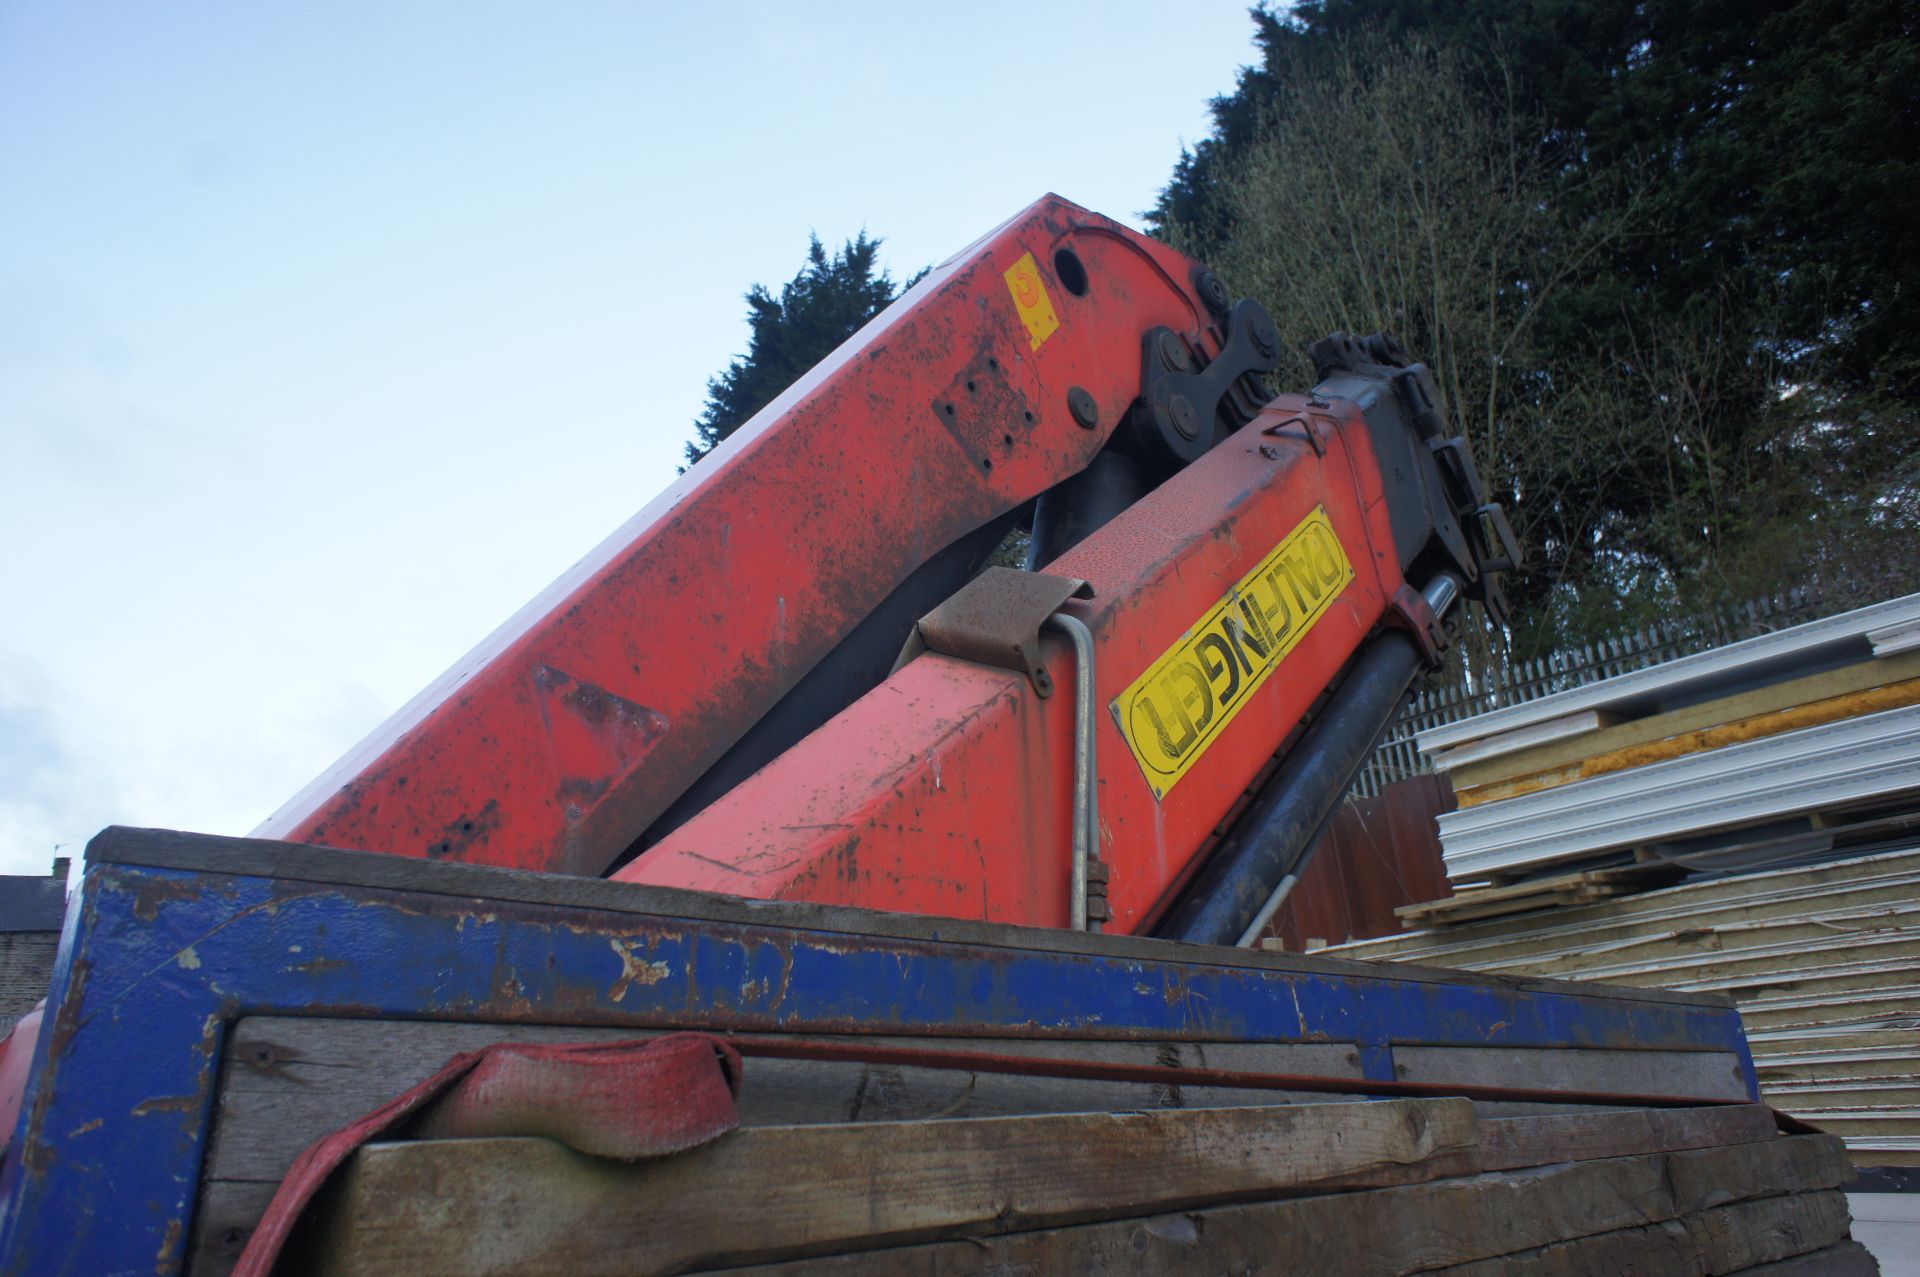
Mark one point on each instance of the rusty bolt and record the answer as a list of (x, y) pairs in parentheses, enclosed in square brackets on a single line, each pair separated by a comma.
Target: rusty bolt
[(1083, 407)]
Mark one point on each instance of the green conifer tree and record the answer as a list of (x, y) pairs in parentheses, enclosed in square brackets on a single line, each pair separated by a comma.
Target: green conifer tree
[(827, 302)]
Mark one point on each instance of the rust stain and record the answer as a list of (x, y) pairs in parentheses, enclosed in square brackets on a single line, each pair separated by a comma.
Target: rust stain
[(150, 893), (164, 1259), (635, 968), (166, 1104)]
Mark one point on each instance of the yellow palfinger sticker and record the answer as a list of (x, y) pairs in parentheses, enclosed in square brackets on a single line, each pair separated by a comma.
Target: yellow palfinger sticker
[(1184, 700), (1031, 300)]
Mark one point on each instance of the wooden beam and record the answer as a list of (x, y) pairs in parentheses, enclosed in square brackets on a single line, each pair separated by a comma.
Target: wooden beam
[(1848, 1259), (1726, 1239), (1512, 1143), (1414, 1229), (533, 1206)]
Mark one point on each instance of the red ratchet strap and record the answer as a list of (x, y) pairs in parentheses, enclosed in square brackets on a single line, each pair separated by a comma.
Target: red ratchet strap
[(625, 1099)]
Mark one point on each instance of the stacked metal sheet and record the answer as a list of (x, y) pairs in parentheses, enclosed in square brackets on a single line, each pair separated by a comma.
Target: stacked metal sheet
[(1823, 960), (1765, 749)]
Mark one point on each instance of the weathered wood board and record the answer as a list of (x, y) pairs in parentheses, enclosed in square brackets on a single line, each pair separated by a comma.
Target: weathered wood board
[(1726, 1239), (290, 1081), (531, 1206), (1419, 1228)]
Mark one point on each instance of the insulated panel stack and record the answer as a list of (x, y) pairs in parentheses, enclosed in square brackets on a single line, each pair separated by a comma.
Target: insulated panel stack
[(1777, 748)]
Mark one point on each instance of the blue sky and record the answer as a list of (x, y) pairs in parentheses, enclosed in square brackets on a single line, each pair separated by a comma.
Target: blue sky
[(330, 333)]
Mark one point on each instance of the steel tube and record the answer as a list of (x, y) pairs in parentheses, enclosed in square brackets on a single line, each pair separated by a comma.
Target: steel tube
[(1267, 910), (1086, 814)]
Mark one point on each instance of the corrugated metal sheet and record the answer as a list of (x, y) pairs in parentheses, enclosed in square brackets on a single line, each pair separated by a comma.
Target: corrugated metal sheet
[(1824, 961)]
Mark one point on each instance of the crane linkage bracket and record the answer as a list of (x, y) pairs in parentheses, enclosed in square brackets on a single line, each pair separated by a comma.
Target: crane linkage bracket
[(995, 619)]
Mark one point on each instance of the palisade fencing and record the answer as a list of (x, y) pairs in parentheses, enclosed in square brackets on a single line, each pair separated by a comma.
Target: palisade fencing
[(1462, 693)]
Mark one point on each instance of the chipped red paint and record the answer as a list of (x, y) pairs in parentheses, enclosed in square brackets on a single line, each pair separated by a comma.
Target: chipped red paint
[(947, 790), (557, 741)]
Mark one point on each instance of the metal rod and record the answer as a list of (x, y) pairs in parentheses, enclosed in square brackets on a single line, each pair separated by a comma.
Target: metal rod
[(1267, 910), (1086, 814), (785, 1048)]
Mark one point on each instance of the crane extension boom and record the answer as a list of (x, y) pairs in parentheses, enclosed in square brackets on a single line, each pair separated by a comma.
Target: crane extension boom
[(710, 699)]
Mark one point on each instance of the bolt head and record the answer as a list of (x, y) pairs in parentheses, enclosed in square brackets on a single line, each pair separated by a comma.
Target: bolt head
[(1173, 353), (1185, 419), (1085, 410)]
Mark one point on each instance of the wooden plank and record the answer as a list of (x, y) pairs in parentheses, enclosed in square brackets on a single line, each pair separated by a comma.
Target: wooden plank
[(1473, 904), (1848, 1259), (534, 1206), (1665, 1248), (1726, 1239), (1708, 1177), (1708, 1074), (1748, 1234), (1514, 1143), (1624, 875), (290, 1080), (1405, 1230), (223, 1221), (1801, 691)]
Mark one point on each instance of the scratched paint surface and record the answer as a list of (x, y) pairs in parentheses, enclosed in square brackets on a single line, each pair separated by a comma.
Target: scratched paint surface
[(158, 963)]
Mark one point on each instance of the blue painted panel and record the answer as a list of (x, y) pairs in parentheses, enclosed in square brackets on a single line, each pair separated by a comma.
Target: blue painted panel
[(157, 964)]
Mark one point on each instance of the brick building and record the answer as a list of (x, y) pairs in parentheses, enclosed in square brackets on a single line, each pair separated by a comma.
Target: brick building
[(31, 912)]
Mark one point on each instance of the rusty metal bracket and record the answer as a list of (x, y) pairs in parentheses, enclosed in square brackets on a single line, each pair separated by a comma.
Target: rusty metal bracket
[(1309, 432), (995, 620)]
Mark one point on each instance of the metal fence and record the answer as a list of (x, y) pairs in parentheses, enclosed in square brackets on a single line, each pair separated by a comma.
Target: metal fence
[(1463, 693)]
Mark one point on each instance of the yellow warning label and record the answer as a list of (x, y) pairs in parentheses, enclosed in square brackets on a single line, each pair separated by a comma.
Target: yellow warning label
[(1185, 699), (1031, 300)]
